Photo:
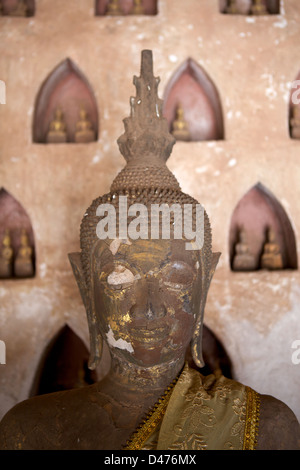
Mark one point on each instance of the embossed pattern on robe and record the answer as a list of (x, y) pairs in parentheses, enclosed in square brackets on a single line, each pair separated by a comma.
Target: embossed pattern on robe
[(207, 413)]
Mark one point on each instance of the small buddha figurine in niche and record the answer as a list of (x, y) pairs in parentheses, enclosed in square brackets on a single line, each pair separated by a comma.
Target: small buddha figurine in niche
[(84, 129), (271, 257), (20, 10), (232, 7), (24, 260), (180, 127), (138, 8), (295, 122), (145, 297), (258, 8), (113, 8), (243, 260), (57, 130), (6, 257)]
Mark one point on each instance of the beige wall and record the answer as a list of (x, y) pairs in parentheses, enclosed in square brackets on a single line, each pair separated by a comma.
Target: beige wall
[(252, 62)]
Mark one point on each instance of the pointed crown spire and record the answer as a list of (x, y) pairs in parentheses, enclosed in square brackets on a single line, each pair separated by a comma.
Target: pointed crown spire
[(146, 130), (147, 143)]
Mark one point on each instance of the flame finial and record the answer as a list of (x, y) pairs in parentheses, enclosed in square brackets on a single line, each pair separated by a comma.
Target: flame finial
[(146, 130)]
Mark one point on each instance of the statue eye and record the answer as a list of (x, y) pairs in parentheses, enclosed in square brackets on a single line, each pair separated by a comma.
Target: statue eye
[(120, 277), (178, 274)]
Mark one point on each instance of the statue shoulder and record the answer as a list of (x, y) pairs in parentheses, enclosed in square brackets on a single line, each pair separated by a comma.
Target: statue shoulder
[(22, 427), (278, 426), (52, 421)]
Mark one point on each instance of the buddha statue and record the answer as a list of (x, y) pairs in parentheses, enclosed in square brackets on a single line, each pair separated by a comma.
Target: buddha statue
[(295, 122), (20, 10), (271, 257), (57, 130), (138, 8), (84, 129), (23, 266), (145, 297), (258, 8), (232, 7), (113, 8), (180, 127), (6, 257), (243, 260)]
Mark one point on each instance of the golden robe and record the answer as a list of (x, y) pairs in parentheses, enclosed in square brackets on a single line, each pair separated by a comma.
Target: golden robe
[(201, 413)]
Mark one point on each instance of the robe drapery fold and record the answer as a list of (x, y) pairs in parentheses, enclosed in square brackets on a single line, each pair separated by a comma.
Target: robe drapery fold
[(201, 413)]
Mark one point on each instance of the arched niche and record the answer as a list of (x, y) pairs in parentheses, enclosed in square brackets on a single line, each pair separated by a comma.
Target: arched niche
[(126, 7), (255, 213), (18, 8), (66, 88), (14, 222), (294, 109), (191, 88), (63, 365), (250, 7)]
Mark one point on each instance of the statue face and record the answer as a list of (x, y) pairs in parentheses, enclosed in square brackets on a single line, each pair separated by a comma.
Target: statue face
[(146, 296)]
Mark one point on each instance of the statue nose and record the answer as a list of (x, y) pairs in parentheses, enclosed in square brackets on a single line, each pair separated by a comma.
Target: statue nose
[(153, 312), (148, 311), (148, 302)]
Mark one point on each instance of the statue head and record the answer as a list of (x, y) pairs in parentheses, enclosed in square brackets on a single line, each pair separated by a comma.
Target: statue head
[(143, 281), (83, 114), (6, 239), (270, 235), (24, 238), (59, 114)]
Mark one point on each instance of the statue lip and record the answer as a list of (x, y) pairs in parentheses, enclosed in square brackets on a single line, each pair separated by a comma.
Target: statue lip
[(151, 333)]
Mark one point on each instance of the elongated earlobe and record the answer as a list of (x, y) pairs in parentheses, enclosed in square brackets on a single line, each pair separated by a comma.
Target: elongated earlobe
[(96, 342), (196, 344)]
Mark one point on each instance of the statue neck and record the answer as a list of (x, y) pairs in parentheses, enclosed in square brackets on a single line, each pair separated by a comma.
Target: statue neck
[(138, 378)]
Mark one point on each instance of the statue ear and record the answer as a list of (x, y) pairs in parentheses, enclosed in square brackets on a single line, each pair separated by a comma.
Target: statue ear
[(95, 335), (196, 344)]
